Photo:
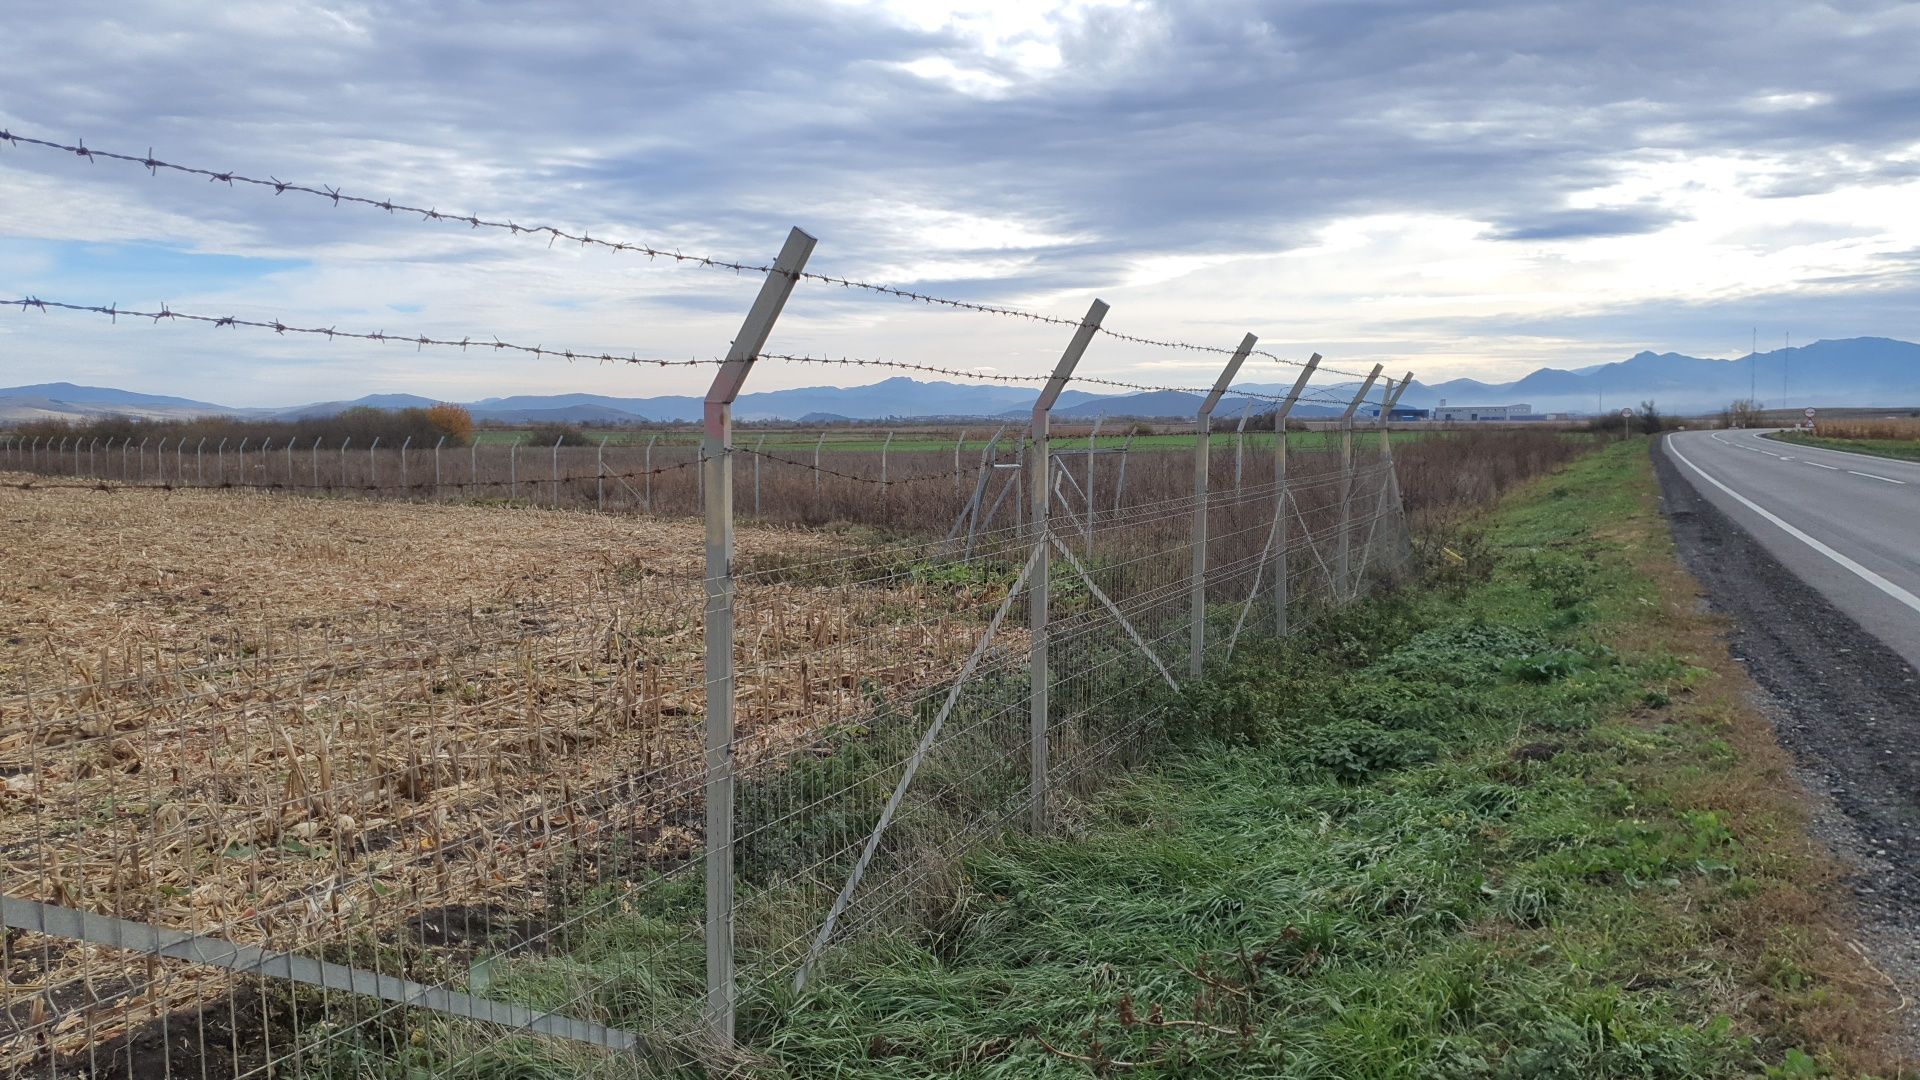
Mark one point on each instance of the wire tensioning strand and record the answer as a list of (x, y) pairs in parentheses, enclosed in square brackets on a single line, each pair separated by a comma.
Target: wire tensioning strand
[(554, 234), (419, 341)]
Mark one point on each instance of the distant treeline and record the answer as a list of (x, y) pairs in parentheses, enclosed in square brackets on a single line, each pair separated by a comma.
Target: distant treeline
[(361, 424)]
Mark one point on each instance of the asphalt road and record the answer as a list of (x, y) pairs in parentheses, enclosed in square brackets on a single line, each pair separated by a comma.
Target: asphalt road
[(1848, 525)]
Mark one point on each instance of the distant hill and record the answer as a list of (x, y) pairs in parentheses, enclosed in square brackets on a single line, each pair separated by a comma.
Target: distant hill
[(1850, 371), (1853, 371)]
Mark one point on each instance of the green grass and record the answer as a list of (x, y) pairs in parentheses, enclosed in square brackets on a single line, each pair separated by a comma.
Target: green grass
[(1453, 834), (1903, 449)]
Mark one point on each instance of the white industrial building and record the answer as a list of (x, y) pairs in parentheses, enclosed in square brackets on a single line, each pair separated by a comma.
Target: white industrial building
[(1444, 411)]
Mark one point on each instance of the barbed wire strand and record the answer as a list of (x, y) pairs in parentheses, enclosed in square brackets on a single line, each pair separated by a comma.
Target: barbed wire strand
[(420, 341)]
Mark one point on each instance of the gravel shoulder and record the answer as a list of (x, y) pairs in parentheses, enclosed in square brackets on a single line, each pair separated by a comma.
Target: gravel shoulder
[(1845, 706)]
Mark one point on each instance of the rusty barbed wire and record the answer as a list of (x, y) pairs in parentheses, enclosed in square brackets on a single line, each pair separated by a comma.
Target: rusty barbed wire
[(420, 341), (989, 376)]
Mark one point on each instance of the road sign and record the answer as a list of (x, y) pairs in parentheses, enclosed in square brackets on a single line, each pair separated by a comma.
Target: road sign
[(1810, 412), (1626, 412)]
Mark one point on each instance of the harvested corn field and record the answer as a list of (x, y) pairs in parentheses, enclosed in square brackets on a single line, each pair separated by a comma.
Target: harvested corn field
[(311, 724)]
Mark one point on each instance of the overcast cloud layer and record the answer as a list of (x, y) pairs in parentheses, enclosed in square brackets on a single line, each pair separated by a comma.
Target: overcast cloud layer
[(1472, 191)]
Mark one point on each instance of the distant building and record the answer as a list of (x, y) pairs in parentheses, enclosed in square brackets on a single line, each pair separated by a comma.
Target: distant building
[(1483, 412), (1397, 414)]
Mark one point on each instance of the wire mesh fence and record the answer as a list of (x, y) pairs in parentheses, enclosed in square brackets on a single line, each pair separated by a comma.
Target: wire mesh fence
[(616, 832)]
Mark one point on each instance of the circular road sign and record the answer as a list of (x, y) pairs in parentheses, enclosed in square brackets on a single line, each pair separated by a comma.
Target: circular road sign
[(1626, 412), (1810, 412)]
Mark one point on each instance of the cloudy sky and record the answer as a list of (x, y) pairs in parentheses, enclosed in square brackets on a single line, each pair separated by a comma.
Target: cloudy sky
[(1472, 189)]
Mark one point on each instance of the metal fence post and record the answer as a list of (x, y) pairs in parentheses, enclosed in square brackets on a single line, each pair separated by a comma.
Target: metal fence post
[(344, 443), (220, 463), (1343, 556), (884, 447), (93, 456), (200, 463), (473, 466), (649, 467), (553, 493), (762, 441), (314, 461), (1038, 588), (716, 464), (1093, 437), (406, 479), (436, 467), (1240, 443), (513, 469), (373, 464), (141, 468), (1282, 497), (816, 472), (959, 486), (1202, 462), (243, 457), (600, 476)]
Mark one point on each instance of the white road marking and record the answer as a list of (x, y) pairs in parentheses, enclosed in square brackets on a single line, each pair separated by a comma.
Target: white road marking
[(1896, 592), (1871, 476), (1817, 465)]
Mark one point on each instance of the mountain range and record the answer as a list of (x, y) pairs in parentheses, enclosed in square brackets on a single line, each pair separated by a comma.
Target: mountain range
[(1853, 371)]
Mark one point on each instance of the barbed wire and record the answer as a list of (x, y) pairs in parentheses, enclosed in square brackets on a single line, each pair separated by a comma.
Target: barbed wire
[(420, 341), (554, 234)]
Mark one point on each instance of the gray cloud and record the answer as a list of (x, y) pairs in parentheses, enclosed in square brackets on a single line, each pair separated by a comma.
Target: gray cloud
[(1181, 130)]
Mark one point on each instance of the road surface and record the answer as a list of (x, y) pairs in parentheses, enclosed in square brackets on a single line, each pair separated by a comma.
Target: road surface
[(1846, 524)]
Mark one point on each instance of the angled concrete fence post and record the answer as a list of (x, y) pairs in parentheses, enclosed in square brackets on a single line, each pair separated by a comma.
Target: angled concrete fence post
[(1344, 542), (716, 465), (1039, 676), (1202, 462), (1282, 497)]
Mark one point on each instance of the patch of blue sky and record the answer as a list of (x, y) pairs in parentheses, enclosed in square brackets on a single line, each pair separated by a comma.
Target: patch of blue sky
[(129, 274)]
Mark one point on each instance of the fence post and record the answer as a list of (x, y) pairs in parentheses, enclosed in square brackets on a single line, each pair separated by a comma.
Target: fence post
[(553, 488), (1281, 496), (406, 479), (600, 476), (200, 463), (1343, 558), (884, 447), (959, 487), (159, 459), (762, 441), (1240, 443), (717, 466), (373, 464), (1038, 588), (473, 466), (1092, 438), (344, 443), (93, 456), (436, 467), (649, 468), (314, 461), (141, 468), (1202, 461), (513, 469), (816, 473)]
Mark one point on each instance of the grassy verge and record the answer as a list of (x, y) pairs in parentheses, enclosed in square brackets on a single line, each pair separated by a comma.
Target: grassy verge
[(1903, 449), (1514, 823)]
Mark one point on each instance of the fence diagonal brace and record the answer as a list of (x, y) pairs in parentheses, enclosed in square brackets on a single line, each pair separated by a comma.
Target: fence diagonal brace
[(1116, 612), (906, 778), (74, 924)]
